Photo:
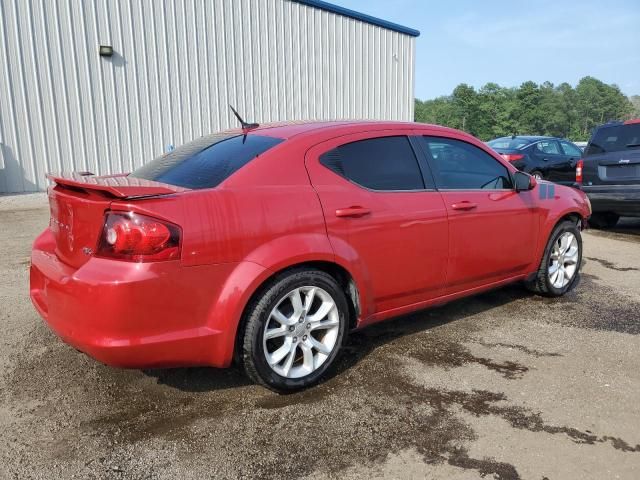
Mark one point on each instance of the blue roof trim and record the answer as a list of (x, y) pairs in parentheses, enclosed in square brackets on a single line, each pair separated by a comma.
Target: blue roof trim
[(359, 16)]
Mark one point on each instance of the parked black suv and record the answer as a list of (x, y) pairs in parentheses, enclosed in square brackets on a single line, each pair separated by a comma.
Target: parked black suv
[(611, 172), (547, 158)]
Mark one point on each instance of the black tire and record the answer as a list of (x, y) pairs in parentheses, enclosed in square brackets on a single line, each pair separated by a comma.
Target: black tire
[(541, 284), (258, 313), (603, 220), (537, 173)]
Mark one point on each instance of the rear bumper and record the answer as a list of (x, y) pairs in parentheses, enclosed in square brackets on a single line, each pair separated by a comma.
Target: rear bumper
[(136, 315), (623, 200)]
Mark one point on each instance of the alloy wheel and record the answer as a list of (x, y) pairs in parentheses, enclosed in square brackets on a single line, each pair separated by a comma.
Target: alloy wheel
[(563, 262), (301, 332)]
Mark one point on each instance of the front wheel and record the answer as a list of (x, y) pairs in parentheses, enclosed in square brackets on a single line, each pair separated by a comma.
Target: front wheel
[(560, 266), (294, 330)]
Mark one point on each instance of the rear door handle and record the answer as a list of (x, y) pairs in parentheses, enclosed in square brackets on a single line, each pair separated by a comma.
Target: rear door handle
[(353, 212), (464, 205)]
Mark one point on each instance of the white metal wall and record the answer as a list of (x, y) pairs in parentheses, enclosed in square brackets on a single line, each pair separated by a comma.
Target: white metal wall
[(178, 64)]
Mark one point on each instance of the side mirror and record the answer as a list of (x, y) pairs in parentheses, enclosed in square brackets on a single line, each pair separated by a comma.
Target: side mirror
[(523, 181)]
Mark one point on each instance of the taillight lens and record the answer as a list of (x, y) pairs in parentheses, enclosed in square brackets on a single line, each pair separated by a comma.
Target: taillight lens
[(579, 167), (139, 238), (512, 157)]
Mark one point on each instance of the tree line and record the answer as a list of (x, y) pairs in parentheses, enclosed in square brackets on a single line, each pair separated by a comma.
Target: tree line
[(530, 109)]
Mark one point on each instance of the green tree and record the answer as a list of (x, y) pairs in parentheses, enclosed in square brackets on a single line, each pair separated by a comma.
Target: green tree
[(532, 109)]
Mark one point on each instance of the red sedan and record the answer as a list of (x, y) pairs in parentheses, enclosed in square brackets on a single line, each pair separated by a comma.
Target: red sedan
[(270, 244)]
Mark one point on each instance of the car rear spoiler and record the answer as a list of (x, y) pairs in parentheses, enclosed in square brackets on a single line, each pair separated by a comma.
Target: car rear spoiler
[(119, 186)]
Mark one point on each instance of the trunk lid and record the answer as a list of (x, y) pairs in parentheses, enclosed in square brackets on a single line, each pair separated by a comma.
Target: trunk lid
[(78, 204)]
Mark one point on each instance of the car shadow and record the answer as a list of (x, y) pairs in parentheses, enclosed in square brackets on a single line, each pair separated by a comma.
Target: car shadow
[(359, 344)]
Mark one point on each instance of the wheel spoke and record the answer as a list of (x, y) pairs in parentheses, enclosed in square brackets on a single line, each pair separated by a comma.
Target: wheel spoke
[(571, 260), (329, 323), (560, 281), (307, 356), (553, 268), (296, 302), (281, 318), (308, 299), (275, 332), (289, 361), (322, 311), (319, 346)]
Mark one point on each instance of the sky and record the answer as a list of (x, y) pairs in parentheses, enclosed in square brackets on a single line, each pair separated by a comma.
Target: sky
[(510, 42)]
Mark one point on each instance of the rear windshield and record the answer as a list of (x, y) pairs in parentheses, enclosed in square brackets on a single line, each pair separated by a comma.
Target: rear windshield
[(509, 143), (616, 138), (207, 161)]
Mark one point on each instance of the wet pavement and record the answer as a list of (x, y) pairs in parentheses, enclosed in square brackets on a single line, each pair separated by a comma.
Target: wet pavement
[(501, 385)]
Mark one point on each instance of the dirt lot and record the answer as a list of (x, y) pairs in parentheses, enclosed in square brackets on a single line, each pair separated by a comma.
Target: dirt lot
[(505, 385)]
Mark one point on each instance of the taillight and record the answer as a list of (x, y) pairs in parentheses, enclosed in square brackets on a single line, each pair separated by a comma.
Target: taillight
[(579, 167), (512, 157), (139, 238)]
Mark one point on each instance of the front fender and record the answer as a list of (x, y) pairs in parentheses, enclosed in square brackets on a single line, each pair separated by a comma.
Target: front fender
[(563, 202)]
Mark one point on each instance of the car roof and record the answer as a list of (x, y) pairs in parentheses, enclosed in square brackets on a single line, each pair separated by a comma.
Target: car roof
[(287, 130), (531, 138)]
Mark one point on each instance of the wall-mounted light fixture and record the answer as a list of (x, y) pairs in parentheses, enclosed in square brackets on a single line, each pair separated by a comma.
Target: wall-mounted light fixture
[(105, 50)]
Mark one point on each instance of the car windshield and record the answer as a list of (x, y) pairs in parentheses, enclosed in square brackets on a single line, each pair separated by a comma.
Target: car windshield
[(509, 143), (207, 161), (614, 138)]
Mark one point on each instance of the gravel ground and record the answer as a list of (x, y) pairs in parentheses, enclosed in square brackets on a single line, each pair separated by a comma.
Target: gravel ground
[(502, 385)]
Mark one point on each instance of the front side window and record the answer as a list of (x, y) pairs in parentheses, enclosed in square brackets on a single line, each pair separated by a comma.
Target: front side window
[(548, 147), (458, 165), (384, 163), (207, 161)]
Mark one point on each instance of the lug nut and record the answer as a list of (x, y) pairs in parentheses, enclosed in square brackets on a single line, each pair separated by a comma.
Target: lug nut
[(304, 337), (301, 320), (291, 328), (295, 339), (308, 325)]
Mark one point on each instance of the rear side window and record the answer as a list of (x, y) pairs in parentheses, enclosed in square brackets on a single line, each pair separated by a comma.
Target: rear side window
[(509, 143), (206, 162), (458, 165), (570, 149), (385, 163), (616, 138)]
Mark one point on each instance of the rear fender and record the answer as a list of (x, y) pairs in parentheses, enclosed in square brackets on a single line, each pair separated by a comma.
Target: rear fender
[(291, 250)]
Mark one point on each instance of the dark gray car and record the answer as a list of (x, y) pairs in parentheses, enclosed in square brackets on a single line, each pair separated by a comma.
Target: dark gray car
[(611, 172)]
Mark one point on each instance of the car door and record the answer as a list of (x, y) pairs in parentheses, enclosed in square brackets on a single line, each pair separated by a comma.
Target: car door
[(567, 173), (550, 159), (492, 228), (382, 216)]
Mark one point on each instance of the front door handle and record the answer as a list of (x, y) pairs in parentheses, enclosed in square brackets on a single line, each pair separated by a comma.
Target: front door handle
[(353, 212), (464, 205)]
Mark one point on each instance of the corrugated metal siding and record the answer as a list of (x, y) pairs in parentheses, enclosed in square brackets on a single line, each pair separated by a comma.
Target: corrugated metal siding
[(178, 64)]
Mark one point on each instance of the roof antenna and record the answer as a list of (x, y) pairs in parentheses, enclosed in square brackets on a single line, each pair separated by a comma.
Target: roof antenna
[(245, 125)]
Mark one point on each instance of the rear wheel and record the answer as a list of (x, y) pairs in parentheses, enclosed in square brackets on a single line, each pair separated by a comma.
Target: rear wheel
[(294, 330), (604, 220), (560, 266)]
